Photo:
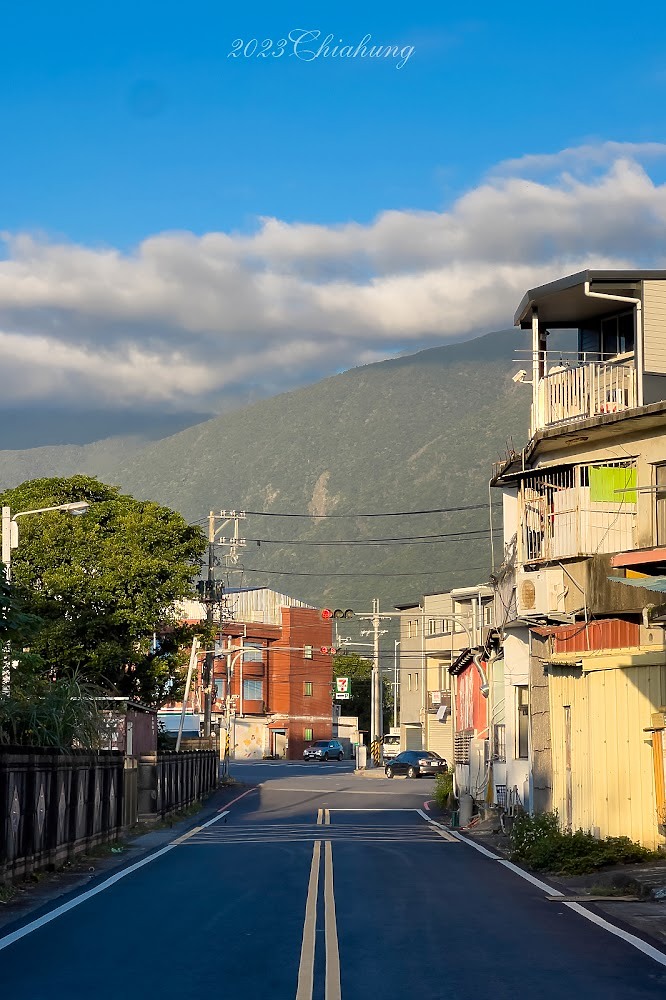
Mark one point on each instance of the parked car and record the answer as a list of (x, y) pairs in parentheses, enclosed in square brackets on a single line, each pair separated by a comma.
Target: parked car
[(324, 750), (416, 764)]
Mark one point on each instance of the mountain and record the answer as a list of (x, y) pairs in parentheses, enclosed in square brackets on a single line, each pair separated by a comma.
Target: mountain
[(413, 433)]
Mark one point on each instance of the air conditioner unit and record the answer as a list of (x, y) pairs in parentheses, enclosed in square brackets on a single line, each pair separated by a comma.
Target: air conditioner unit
[(541, 591)]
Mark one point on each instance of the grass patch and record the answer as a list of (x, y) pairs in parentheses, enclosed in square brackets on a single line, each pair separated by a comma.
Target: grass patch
[(538, 842), (7, 893)]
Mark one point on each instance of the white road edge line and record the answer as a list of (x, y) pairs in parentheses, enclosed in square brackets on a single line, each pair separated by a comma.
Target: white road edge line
[(34, 925), (631, 939)]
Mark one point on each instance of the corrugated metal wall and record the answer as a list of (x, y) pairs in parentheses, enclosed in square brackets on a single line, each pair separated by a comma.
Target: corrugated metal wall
[(654, 324), (612, 780), (440, 737)]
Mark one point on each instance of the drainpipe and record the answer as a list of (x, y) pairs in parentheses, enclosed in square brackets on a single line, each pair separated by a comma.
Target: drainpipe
[(536, 416), (639, 331)]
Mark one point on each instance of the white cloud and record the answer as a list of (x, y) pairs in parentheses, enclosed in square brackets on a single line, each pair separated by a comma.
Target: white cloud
[(187, 319)]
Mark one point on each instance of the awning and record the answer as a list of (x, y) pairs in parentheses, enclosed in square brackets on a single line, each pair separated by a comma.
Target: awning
[(657, 583)]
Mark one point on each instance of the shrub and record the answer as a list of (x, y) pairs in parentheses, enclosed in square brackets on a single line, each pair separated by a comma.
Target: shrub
[(539, 843), (444, 789)]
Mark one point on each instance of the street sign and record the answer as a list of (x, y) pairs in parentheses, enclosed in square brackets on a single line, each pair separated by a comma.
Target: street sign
[(342, 696), (342, 688)]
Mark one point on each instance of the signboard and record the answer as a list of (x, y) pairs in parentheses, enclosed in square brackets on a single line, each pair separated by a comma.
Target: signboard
[(342, 689), (438, 700)]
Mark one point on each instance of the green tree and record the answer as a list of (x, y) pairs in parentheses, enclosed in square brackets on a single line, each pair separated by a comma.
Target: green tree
[(105, 583), (359, 671)]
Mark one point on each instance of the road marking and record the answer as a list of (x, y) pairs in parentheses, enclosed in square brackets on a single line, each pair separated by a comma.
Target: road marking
[(267, 786), (327, 817), (442, 831), (58, 912), (198, 829), (238, 797), (333, 991), (306, 967), (106, 884), (370, 809)]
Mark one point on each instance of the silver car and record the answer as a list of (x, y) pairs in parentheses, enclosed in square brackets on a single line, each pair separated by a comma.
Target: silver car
[(324, 750)]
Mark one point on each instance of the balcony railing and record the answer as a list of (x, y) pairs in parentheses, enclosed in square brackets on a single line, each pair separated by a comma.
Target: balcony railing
[(574, 392)]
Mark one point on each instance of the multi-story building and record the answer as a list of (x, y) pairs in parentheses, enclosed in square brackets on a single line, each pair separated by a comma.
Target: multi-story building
[(273, 663), (433, 634), (584, 528)]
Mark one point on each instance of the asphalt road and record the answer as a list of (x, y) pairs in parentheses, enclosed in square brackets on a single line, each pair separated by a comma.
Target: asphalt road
[(320, 885)]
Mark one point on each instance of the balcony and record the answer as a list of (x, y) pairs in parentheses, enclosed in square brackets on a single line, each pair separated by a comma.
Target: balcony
[(575, 390)]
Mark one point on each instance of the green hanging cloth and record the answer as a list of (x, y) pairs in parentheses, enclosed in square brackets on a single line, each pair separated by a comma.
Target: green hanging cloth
[(612, 484)]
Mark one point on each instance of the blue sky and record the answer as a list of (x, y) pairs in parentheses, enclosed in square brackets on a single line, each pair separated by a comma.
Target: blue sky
[(123, 119), (184, 231)]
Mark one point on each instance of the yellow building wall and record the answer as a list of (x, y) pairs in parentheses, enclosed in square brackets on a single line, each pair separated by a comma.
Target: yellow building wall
[(612, 776)]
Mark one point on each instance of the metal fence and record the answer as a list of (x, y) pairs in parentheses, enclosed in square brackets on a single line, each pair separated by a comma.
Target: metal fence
[(55, 805), (169, 781)]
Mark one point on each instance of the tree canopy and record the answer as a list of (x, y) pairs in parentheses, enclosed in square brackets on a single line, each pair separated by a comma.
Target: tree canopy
[(359, 671), (104, 584)]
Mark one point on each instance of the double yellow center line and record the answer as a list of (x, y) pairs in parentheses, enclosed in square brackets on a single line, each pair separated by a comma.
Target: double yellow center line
[(306, 968)]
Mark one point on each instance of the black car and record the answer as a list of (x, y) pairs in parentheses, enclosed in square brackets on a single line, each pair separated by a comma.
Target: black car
[(416, 764), (324, 750)]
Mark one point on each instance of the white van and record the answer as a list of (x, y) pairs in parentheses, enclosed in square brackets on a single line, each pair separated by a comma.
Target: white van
[(390, 746)]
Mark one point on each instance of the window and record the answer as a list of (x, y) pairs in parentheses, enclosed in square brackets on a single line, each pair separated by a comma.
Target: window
[(220, 685), (253, 689), (432, 626), (488, 614), (307, 689), (416, 682), (307, 652), (499, 742), (522, 722), (409, 682), (307, 735), (413, 629), (253, 653), (661, 504)]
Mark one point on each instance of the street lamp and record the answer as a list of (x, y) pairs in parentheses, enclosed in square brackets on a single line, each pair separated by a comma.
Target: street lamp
[(10, 541)]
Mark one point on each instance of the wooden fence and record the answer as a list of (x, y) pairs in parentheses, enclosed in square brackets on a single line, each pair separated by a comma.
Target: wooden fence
[(54, 805)]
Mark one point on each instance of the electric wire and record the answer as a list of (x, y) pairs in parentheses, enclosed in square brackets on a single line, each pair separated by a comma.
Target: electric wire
[(394, 513)]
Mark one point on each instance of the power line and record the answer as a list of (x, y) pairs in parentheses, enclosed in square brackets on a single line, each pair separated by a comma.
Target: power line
[(275, 572), (440, 536), (395, 513)]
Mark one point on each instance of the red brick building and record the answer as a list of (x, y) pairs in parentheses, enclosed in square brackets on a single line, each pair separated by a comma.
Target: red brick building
[(278, 678)]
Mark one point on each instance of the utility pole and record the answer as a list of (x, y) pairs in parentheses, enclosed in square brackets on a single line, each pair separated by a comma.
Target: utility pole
[(208, 668), (213, 592), (376, 692)]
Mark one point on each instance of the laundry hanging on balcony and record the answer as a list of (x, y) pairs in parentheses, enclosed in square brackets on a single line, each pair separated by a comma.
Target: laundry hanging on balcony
[(612, 484)]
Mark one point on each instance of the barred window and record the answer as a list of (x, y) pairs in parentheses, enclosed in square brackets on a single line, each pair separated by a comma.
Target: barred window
[(499, 742)]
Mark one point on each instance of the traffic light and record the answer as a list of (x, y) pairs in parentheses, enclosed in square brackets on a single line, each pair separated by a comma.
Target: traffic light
[(328, 649), (337, 613)]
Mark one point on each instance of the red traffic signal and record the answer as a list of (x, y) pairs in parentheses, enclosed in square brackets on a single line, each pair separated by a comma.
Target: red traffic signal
[(328, 649), (338, 613), (326, 613)]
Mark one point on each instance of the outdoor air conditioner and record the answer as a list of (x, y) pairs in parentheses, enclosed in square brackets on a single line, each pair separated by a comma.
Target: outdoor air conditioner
[(541, 591)]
